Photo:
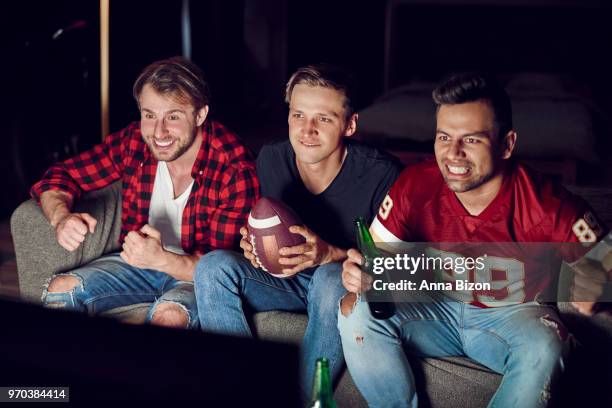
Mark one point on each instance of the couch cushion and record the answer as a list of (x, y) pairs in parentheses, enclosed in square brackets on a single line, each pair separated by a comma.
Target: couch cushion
[(448, 382), (37, 252), (280, 326), (454, 382), (133, 314)]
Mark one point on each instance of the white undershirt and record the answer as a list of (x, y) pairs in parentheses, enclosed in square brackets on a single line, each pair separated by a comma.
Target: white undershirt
[(166, 212)]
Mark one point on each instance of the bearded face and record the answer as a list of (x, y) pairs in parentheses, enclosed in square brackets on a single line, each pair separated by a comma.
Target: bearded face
[(168, 126)]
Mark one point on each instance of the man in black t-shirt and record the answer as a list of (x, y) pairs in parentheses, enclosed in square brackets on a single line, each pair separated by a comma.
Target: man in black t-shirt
[(328, 182), (361, 182)]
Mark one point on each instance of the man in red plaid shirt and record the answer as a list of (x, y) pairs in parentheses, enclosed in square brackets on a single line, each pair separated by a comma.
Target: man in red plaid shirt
[(188, 185)]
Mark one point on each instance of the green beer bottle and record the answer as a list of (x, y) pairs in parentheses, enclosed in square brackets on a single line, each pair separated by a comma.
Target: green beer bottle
[(379, 308), (322, 392)]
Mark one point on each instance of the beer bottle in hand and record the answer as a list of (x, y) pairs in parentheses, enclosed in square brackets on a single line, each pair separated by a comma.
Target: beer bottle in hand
[(322, 392), (379, 308)]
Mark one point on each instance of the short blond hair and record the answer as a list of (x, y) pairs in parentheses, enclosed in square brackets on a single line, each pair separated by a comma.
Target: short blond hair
[(326, 76)]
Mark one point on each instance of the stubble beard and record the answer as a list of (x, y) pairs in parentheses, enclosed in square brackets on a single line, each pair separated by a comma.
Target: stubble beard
[(180, 148), (463, 186)]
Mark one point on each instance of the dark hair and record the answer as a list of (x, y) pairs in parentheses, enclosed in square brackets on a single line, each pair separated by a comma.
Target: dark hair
[(176, 77), (327, 76), (474, 86)]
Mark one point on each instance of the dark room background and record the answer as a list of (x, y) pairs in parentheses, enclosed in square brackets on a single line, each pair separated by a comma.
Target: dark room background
[(248, 48)]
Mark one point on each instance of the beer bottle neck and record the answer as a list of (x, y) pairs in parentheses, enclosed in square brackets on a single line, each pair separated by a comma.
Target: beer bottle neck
[(322, 393), (365, 243)]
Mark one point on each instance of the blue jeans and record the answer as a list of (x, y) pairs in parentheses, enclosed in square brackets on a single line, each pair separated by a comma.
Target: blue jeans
[(524, 342), (225, 281), (109, 282)]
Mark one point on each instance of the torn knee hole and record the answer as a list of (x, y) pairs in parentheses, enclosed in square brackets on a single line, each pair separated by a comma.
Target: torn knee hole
[(347, 304), (63, 283), (555, 325), (170, 314), (545, 393)]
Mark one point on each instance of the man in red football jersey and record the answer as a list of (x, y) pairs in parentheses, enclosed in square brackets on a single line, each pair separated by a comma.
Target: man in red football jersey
[(472, 193)]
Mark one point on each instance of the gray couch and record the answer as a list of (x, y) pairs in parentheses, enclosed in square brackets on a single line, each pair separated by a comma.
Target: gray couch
[(445, 382)]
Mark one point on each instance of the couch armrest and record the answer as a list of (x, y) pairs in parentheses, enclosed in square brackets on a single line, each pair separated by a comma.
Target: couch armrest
[(37, 252)]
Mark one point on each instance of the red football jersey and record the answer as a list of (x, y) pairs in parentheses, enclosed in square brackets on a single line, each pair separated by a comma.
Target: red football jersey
[(528, 208)]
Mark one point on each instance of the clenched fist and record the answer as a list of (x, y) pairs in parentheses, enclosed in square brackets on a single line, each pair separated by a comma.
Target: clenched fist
[(70, 231)]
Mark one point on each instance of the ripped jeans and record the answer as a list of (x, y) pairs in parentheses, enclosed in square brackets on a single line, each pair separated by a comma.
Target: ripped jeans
[(226, 282), (525, 342), (109, 282)]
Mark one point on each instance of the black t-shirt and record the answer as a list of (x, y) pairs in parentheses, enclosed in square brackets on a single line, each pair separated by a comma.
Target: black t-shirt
[(358, 189)]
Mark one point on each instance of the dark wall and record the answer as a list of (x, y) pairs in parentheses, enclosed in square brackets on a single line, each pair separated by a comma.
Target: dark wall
[(143, 31), (342, 32), (430, 41), (50, 88), (248, 48)]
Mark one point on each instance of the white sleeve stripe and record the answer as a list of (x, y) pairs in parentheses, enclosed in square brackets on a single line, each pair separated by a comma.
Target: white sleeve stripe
[(383, 233)]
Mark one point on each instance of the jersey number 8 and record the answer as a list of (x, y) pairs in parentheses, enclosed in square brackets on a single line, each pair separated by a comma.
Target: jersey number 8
[(385, 207)]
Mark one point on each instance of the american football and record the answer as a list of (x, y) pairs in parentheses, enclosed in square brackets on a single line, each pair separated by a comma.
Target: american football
[(268, 228)]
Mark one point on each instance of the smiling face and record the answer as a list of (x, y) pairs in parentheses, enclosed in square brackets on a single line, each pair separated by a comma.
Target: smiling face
[(317, 123), (468, 149), (168, 125)]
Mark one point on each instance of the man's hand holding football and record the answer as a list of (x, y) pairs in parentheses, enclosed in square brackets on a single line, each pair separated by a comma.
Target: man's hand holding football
[(247, 248), (314, 252)]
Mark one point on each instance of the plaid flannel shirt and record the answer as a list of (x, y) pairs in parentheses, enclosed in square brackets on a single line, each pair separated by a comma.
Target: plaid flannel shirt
[(224, 190)]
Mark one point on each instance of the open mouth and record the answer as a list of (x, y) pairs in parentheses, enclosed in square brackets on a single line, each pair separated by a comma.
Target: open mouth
[(458, 171), (165, 143)]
